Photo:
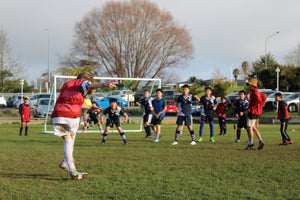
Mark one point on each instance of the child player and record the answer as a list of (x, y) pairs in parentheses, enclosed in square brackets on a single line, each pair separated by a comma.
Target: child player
[(67, 110), (24, 110), (184, 107), (240, 111), (113, 113), (159, 112), (146, 102), (93, 117), (221, 113), (283, 116), (208, 104), (256, 103)]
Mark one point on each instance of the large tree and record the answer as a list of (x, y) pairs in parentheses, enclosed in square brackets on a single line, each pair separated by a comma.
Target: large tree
[(130, 39), (10, 67)]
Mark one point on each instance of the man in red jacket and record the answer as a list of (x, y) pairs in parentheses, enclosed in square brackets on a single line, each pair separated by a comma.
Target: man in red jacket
[(66, 112), (24, 110), (256, 103)]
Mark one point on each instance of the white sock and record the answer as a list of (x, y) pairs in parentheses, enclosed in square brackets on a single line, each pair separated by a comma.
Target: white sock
[(68, 147)]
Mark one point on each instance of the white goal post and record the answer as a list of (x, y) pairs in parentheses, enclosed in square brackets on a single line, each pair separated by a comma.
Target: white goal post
[(54, 95)]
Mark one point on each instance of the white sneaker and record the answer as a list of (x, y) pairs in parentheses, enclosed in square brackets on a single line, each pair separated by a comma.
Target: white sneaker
[(193, 143), (174, 143), (78, 175)]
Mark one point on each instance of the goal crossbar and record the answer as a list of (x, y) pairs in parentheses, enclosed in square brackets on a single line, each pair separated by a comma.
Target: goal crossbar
[(54, 94)]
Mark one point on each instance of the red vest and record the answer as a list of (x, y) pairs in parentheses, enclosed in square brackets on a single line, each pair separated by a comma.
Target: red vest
[(221, 107), (70, 100), (26, 113), (279, 113)]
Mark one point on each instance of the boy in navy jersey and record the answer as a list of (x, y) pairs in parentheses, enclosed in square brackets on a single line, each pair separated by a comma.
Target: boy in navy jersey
[(159, 113), (93, 116), (184, 107), (113, 113), (146, 103), (283, 116), (240, 111), (208, 104)]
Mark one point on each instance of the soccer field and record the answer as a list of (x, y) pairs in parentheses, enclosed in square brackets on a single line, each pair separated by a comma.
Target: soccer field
[(146, 170)]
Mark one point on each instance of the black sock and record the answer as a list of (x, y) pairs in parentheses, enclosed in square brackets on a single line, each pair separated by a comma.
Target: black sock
[(224, 131), (122, 135), (148, 130), (238, 134), (26, 130), (104, 136), (21, 129), (177, 133), (192, 135)]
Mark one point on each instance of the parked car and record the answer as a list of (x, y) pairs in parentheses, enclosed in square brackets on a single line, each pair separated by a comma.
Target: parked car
[(232, 98), (97, 97), (171, 106), (194, 105), (40, 108), (2, 101), (104, 103), (170, 94), (126, 95), (33, 100), (17, 101), (267, 92), (292, 101), (271, 103)]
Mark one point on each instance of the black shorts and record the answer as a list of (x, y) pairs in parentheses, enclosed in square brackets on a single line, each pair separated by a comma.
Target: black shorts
[(187, 119), (242, 122), (207, 118), (95, 120), (156, 121), (147, 118), (110, 123)]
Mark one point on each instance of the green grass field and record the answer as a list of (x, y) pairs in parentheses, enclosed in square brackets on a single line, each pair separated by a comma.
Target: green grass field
[(146, 170)]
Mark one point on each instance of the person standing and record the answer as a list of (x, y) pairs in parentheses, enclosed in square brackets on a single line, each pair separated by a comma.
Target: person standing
[(240, 111), (24, 110), (221, 113)]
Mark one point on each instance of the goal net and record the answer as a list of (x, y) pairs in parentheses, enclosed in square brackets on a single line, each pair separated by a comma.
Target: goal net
[(127, 98)]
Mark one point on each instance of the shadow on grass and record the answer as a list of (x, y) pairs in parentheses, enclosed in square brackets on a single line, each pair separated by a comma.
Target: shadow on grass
[(33, 176)]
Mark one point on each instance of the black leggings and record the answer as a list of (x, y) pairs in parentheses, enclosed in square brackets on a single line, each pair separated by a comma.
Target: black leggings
[(222, 124)]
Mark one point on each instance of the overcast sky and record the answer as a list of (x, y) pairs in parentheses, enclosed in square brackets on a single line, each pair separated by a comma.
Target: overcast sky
[(225, 33)]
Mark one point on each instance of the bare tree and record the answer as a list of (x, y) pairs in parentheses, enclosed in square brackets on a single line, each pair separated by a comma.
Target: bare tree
[(245, 67), (10, 67), (293, 58), (131, 39), (217, 75)]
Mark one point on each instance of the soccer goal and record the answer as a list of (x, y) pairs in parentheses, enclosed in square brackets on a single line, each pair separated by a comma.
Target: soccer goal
[(126, 84)]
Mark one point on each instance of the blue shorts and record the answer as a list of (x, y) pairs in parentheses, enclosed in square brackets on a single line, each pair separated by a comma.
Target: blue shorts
[(111, 123), (187, 119)]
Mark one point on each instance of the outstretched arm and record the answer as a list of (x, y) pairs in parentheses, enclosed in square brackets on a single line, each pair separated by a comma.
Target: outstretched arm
[(109, 84)]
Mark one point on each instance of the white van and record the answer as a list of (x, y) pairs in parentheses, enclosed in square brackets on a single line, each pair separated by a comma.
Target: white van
[(126, 95)]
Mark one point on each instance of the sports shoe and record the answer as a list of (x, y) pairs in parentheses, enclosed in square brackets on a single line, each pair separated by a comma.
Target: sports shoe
[(20, 134), (64, 165), (224, 134), (220, 133), (159, 136), (250, 147), (174, 143), (27, 134), (200, 139), (289, 142), (212, 139), (248, 141), (237, 140), (125, 142), (260, 145), (148, 136), (193, 143), (78, 175), (103, 142), (82, 133), (156, 140), (102, 133)]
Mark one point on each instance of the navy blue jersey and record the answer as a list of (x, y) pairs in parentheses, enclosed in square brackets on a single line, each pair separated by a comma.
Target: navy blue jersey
[(185, 104), (93, 115), (113, 115), (147, 104), (207, 105), (241, 106)]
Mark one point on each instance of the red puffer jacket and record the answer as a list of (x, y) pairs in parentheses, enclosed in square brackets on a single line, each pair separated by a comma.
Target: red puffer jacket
[(70, 100), (257, 100)]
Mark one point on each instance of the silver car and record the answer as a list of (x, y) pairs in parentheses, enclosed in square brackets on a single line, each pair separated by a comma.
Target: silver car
[(40, 108), (292, 102)]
